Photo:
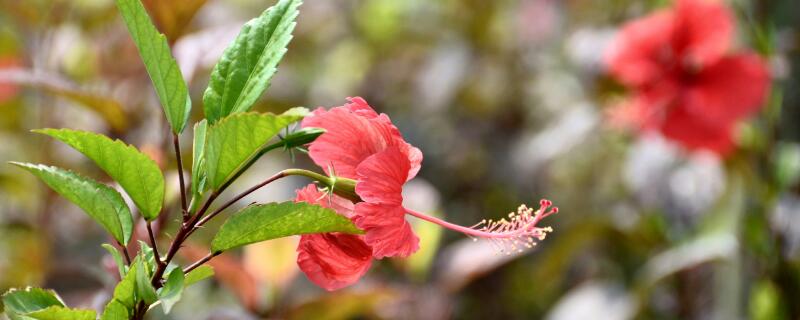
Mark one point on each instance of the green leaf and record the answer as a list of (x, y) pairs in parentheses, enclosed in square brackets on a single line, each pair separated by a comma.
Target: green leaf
[(104, 204), (136, 172), (147, 254), (236, 140), (173, 289), (243, 73), (198, 161), (62, 313), (30, 300), (276, 220), (115, 310), (144, 289), (125, 291), (198, 274), (117, 258), (161, 66)]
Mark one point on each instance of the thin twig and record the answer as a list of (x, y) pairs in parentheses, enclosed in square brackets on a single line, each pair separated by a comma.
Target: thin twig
[(184, 208), (153, 243), (124, 250), (237, 198), (200, 262)]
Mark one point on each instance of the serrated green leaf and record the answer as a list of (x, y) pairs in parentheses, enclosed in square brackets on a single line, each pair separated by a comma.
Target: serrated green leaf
[(237, 139), (30, 300), (62, 313), (276, 220), (144, 289), (198, 162), (161, 66), (117, 258), (244, 72), (172, 291), (134, 171), (104, 204), (125, 291), (198, 274), (115, 310)]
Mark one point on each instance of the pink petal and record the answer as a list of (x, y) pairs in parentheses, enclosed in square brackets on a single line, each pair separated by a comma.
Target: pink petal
[(637, 54), (733, 88), (311, 194), (333, 261), (704, 31), (387, 231), (353, 133), (381, 177)]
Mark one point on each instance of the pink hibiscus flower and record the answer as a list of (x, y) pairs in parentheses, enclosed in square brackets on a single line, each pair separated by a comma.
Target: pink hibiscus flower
[(687, 84), (364, 147)]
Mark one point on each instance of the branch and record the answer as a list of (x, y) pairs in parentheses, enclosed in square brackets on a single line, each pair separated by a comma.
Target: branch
[(176, 143), (200, 262)]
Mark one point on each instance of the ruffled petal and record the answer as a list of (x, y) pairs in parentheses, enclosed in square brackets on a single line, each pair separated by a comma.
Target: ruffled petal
[(353, 133), (387, 231), (733, 88), (704, 31), (381, 177), (694, 134), (311, 194), (636, 56), (333, 261)]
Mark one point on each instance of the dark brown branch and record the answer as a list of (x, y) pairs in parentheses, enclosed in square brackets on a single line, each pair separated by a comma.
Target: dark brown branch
[(124, 250), (153, 243), (184, 208), (200, 262)]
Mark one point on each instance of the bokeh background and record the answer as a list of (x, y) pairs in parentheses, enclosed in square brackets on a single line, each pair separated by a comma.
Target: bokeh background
[(506, 99)]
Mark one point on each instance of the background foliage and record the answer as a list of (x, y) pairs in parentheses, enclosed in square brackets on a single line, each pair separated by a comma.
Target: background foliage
[(505, 99)]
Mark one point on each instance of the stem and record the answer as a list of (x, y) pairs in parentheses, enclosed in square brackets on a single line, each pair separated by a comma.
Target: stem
[(176, 143), (153, 242), (179, 238), (124, 250), (200, 262), (239, 197)]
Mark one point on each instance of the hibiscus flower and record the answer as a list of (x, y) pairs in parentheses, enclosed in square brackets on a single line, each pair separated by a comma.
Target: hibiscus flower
[(685, 81), (369, 162)]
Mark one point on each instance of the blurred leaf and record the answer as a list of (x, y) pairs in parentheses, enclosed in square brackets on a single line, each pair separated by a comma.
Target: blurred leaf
[(154, 50), (29, 300), (110, 109), (344, 305), (104, 204), (62, 313), (429, 236), (136, 173), (198, 161), (236, 140), (173, 289), (198, 274), (273, 263), (117, 258), (276, 220), (115, 310), (173, 16), (787, 164), (243, 73), (765, 302)]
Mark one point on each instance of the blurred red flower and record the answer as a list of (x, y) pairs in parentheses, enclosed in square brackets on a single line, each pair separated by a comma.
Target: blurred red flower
[(686, 82), (8, 90)]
